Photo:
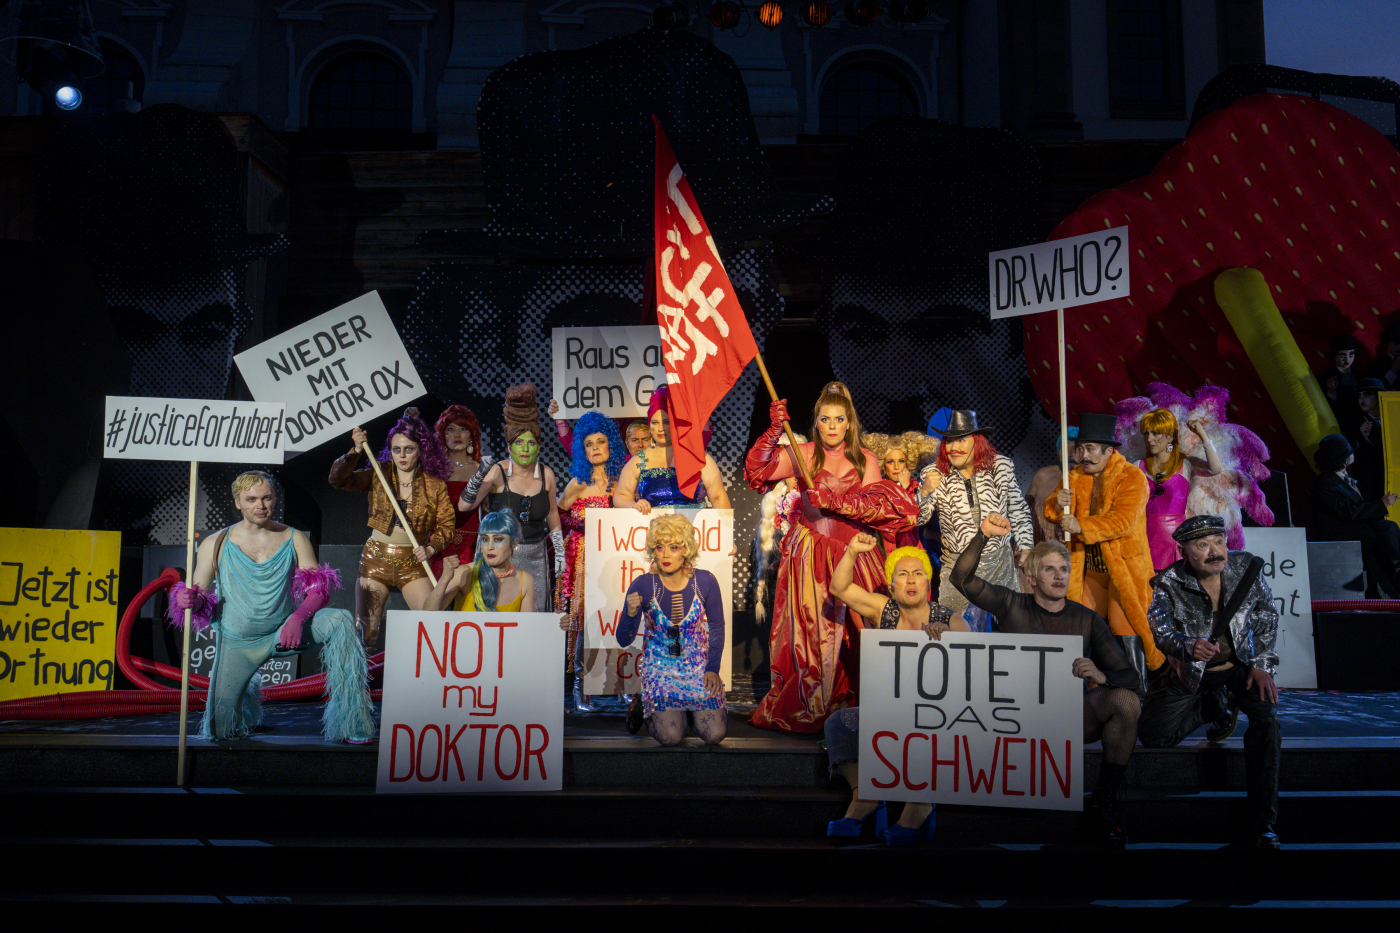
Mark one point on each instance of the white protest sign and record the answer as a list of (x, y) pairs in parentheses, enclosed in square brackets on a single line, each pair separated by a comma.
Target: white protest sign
[(610, 370), (206, 430), (473, 701), (1058, 274), (615, 542), (334, 372), (1285, 555), (987, 719)]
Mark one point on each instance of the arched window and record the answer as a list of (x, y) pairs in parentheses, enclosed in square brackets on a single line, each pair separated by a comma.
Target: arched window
[(363, 91), (101, 93), (861, 93)]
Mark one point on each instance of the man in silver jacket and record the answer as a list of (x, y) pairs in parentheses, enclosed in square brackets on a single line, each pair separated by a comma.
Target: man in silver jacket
[(1218, 665)]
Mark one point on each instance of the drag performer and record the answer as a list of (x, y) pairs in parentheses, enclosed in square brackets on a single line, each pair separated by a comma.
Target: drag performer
[(910, 578), (598, 459), (492, 581), (649, 479), (1170, 472), (811, 643), (1105, 512), (1110, 700), (460, 434), (389, 559), (683, 614), (269, 587), (972, 481), (634, 431), (901, 459), (526, 487), (1214, 614)]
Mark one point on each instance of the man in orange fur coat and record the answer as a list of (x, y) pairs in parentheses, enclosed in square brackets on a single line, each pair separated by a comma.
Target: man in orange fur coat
[(1105, 513)]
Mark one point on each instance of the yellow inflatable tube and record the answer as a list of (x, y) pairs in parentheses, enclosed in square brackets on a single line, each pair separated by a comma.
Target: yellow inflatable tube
[(1244, 297)]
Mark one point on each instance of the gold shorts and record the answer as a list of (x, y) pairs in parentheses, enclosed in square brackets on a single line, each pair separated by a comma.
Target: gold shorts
[(390, 564)]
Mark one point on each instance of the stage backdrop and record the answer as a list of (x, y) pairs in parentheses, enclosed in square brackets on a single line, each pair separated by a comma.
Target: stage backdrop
[(615, 555), (58, 611)]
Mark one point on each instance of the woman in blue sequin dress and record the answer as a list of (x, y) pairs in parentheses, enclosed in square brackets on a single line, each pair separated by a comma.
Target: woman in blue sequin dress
[(649, 479), (682, 614)]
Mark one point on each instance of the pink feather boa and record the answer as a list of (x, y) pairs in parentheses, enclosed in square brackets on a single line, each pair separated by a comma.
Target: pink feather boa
[(318, 580), (1241, 451), (199, 620)]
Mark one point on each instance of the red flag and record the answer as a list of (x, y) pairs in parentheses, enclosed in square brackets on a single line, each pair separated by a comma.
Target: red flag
[(704, 334)]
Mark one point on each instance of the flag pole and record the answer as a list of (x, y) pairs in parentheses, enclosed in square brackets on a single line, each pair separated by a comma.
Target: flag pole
[(792, 441)]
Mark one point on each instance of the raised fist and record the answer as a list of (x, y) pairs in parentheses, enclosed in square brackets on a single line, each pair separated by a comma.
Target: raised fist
[(357, 437), (778, 413)]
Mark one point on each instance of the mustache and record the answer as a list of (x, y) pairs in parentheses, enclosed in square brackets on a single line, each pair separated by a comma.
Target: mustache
[(1215, 560)]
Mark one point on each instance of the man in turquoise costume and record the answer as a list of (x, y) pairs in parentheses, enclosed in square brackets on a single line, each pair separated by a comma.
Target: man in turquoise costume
[(269, 588)]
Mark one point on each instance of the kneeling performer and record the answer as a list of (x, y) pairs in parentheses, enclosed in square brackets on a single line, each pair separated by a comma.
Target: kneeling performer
[(1111, 705), (684, 617), (269, 585)]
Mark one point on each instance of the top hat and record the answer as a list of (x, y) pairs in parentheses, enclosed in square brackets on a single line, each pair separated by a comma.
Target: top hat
[(1343, 342), (963, 423), (1332, 452), (1097, 429)]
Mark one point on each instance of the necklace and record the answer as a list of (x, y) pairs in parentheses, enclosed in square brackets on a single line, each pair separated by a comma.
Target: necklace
[(503, 576)]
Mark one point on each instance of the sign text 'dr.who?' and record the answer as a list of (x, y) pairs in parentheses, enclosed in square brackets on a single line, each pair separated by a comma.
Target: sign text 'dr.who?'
[(987, 719), (473, 701), (334, 372), (208, 430), (1057, 274), (610, 370)]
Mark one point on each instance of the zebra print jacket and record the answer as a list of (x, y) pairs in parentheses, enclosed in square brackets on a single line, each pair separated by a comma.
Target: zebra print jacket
[(960, 514)]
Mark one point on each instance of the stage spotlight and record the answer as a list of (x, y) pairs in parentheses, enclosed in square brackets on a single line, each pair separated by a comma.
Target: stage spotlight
[(908, 11), (863, 12), (817, 13), (771, 14), (724, 15), (674, 15), (68, 97)]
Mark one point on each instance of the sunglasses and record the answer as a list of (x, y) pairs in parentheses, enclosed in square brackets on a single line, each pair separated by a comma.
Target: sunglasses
[(1157, 490), (524, 514), (673, 644)]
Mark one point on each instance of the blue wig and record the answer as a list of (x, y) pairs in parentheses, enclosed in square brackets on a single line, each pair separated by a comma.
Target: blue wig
[(593, 423), (1072, 431), (500, 522)]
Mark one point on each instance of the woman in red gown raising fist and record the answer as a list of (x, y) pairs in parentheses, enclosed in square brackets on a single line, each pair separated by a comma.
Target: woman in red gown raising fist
[(812, 645)]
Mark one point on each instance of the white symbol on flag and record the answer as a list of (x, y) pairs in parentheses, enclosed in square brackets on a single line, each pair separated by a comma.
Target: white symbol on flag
[(692, 298)]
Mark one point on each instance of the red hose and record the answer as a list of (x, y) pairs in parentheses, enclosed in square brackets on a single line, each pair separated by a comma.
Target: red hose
[(153, 697)]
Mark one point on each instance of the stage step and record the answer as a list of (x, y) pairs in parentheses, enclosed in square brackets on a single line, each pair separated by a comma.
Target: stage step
[(1357, 763), (628, 869), (354, 816)]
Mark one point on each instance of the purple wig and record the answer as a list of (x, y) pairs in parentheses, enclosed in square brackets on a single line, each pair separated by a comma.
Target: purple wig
[(432, 457)]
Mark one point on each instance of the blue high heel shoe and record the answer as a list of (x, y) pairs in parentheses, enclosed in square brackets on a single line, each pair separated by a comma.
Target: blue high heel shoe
[(849, 828), (897, 835)]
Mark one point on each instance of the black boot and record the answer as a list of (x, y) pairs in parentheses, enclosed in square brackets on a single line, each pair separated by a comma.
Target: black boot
[(1104, 804)]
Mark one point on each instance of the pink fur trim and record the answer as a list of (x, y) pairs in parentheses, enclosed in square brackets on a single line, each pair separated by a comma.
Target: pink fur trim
[(199, 620), (319, 580)]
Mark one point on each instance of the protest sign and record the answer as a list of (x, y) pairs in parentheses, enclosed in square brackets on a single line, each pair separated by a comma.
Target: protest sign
[(208, 430), (58, 610), (986, 719), (1059, 274), (1285, 555), (614, 555), (610, 370), (334, 372), (473, 701)]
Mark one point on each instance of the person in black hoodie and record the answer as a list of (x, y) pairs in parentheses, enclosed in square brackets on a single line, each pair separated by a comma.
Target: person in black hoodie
[(1341, 512)]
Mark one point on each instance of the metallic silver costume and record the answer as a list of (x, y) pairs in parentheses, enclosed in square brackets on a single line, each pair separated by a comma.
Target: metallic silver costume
[(1180, 613)]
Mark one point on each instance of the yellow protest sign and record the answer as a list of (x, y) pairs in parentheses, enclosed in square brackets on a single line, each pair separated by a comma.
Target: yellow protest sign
[(58, 610)]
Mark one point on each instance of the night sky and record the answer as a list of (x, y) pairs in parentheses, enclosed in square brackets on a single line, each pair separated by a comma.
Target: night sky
[(1353, 37)]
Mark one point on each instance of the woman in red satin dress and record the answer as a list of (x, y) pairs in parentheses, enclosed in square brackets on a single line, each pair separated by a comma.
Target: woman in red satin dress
[(812, 644), (460, 434)]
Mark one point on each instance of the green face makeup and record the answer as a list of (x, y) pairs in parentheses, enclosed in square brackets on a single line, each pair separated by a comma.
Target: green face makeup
[(524, 449)]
